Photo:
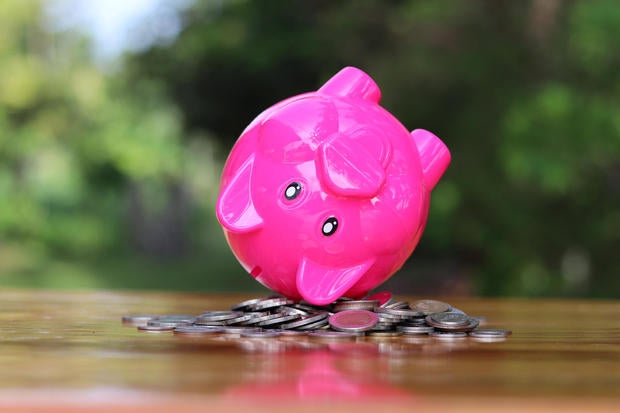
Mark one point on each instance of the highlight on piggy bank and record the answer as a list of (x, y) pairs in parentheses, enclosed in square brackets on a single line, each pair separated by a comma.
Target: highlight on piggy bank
[(326, 194)]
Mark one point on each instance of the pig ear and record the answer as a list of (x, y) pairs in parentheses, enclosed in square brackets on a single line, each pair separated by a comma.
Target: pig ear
[(348, 168), (235, 209), (322, 285), (353, 83), (434, 156)]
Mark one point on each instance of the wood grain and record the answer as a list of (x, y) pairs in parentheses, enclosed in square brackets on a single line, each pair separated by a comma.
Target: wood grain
[(68, 351)]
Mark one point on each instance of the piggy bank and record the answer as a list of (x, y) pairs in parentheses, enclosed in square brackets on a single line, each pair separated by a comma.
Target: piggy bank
[(326, 194)]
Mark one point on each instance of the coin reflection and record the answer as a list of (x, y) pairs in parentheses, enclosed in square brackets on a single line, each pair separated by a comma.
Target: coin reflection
[(321, 374)]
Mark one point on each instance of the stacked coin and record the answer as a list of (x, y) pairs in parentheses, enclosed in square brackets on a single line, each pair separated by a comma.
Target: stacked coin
[(277, 316)]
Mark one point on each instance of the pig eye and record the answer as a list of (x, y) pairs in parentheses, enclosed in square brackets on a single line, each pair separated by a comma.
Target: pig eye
[(329, 226), (292, 191)]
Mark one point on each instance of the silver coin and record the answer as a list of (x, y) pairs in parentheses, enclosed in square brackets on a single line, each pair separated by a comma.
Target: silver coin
[(307, 307), (252, 322), (197, 330), (389, 318), (384, 326), (353, 320), (303, 321), (200, 322), (397, 305), (447, 319), (271, 302), (155, 329), (388, 321), (332, 335), (261, 334), (430, 306), (176, 318), (401, 313), (137, 319), (210, 316), (253, 316), (321, 324), (287, 310), (490, 333), (473, 323), (488, 339), (444, 335), (163, 323), (281, 319), (416, 330), (244, 305), (369, 305), (256, 320), (239, 320)]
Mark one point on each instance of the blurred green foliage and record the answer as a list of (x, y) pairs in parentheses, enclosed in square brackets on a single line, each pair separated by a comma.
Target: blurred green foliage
[(109, 181), (99, 186)]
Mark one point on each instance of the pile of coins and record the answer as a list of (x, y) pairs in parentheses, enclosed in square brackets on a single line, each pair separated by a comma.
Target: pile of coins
[(344, 319)]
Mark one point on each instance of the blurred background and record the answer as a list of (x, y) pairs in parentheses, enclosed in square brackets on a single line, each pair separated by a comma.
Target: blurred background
[(116, 118)]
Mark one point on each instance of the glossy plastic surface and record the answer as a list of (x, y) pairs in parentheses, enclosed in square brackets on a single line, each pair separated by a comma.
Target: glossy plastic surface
[(326, 194)]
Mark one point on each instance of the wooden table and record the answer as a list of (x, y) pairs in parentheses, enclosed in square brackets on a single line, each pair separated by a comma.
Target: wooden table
[(69, 352)]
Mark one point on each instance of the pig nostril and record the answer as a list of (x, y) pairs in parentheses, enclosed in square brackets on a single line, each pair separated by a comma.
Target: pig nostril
[(292, 191), (329, 226)]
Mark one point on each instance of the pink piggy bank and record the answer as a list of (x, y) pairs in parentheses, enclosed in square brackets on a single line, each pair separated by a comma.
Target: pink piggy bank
[(326, 194)]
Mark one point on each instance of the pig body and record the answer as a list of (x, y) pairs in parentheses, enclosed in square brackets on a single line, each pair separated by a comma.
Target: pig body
[(326, 194)]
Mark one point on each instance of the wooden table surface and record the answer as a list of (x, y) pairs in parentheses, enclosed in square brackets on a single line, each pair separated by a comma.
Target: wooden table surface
[(68, 351)]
